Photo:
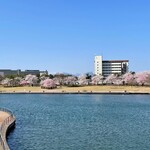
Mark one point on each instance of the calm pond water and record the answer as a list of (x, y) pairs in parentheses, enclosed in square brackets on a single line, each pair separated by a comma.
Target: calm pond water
[(79, 122)]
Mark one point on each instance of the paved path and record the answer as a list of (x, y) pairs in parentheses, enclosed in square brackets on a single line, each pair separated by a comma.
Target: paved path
[(3, 116)]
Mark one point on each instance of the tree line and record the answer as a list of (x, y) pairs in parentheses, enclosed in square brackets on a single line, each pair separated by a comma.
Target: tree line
[(53, 81)]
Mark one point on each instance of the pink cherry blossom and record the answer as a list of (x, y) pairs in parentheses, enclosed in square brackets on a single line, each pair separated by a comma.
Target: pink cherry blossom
[(97, 80), (48, 83)]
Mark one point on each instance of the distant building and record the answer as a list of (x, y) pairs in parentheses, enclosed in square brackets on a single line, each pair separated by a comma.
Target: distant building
[(33, 72), (108, 67), (4, 72), (43, 73)]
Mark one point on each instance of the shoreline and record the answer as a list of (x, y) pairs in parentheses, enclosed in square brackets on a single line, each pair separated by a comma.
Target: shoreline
[(80, 92), (77, 90)]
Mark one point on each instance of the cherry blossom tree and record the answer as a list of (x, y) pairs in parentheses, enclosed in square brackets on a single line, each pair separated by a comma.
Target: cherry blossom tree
[(24, 83), (11, 82), (70, 81), (48, 84), (16, 81), (97, 80), (113, 79), (31, 79), (61, 78), (58, 80), (7, 82), (142, 78), (83, 80), (129, 78)]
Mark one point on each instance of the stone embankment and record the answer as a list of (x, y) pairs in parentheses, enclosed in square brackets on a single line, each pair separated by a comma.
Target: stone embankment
[(79, 92), (7, 122)]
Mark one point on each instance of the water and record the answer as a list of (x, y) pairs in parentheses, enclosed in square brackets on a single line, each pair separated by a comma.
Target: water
[(79, 122)]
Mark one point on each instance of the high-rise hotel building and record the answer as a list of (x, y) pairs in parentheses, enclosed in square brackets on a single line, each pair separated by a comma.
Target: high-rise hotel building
[(108, 67)]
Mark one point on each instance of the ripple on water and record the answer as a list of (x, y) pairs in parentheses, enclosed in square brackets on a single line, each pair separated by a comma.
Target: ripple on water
[(79, 122)]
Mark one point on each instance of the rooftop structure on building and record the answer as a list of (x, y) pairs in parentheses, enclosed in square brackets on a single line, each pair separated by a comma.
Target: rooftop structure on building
[(108, 67), (5, 72)]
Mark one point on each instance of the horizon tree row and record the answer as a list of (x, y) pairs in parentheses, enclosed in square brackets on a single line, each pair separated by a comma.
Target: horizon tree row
[(53, 81)]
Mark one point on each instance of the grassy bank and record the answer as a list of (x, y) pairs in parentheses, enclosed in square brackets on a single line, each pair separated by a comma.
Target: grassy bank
[(141, 89)]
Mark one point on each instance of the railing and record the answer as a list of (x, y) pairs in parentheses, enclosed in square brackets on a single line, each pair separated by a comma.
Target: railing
[(4, 127)]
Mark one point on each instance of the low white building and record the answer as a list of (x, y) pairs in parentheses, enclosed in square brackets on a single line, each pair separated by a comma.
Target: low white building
[(108, 67), (4, 72)]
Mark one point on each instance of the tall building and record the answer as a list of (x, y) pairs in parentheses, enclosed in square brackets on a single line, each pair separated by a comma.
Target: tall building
[(98, 65), (108, 67)]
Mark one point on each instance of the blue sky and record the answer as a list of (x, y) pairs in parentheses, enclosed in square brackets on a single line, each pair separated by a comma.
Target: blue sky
[(65, 35)]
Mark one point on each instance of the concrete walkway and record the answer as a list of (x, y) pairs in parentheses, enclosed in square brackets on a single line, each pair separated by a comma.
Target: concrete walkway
[(5, 120), (3, 116)]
